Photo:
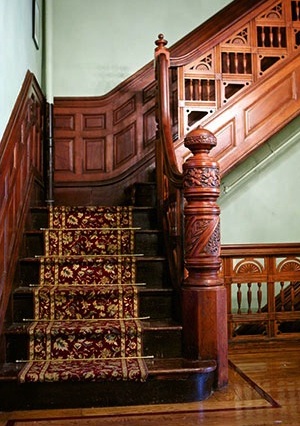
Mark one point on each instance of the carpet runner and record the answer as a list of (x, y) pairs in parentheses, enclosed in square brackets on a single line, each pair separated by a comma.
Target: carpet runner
[(86, 325)]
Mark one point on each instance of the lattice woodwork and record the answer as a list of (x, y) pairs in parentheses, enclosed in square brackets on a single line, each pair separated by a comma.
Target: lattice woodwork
[(211, 81)]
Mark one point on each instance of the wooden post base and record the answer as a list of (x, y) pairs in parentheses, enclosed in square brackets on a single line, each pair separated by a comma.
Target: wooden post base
[(204, 319)]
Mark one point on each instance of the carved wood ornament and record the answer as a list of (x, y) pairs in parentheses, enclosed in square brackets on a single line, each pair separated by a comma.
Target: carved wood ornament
[(201, 183)]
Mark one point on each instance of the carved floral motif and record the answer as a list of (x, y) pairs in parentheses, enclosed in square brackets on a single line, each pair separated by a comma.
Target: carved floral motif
[(205, 177)]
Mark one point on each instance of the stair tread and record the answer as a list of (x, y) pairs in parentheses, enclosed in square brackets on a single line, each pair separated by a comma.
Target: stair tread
[(166, 324), (156, 366), (179, 365), (21, 327)]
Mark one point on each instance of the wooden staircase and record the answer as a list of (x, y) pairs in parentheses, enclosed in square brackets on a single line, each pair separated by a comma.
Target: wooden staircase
[(171, 378)]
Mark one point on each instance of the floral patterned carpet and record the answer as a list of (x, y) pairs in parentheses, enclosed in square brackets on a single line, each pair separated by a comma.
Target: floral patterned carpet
[(86, 325)]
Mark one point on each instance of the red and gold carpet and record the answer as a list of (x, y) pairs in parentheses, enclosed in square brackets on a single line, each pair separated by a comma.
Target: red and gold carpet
[(86, 325)]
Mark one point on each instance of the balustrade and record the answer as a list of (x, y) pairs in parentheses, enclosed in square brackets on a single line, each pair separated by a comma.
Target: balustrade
[(212, 79), (263, 288)]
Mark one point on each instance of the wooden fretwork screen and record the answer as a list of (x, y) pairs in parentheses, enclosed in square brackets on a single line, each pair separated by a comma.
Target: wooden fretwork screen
[(231, 66)]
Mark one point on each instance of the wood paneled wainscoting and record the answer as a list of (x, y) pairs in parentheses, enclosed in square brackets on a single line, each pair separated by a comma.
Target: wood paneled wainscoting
[(105, 144), (21, 183), (263, 291)]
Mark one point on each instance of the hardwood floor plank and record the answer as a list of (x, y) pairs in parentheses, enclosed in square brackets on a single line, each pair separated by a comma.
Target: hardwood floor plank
[(267, 376)]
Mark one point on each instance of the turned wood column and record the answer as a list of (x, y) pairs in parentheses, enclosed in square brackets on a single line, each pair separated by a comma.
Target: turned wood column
[(203, 293)]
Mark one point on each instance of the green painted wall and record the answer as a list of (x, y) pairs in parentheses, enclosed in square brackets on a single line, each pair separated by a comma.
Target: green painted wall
[(99, 43), (17, 53), (263, 204)]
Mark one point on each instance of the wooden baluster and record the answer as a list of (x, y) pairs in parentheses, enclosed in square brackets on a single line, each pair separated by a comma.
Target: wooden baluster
[(292, 284), (239, 298), (271, 37), (244, 63), (282, 297), (263, 36), (236, 63), (208, 89), (227, 62), (200, 91), (203, 294), (298, 10), (279, 36), (249, 298), (197, 89), (191, 95), (259, 297)]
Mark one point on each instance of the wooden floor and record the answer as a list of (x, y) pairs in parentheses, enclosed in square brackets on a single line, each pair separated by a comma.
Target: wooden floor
[(264, 390)]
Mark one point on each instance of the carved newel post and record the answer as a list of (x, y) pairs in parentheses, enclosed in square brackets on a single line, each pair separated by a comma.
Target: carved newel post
[(204, 293)]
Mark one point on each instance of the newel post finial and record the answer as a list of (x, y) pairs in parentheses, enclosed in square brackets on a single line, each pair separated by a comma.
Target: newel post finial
[(161, 44), (203, 292)]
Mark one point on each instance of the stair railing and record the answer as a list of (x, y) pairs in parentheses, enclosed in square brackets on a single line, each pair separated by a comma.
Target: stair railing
[(263, 290), (169, 178), (192, 231)]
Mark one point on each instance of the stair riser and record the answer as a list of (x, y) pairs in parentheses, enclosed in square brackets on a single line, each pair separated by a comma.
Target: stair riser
[(149, 244), (153, 272), (146, 243), (38, 218), (160, 343), (163, 389), (143, 217), (157, 306)]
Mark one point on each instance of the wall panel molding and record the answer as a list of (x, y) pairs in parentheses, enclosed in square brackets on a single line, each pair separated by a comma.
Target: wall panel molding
[(21, 162)]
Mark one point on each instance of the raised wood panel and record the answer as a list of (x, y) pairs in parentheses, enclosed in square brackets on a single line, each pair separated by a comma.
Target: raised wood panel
[(64, 121), (124, 110), (124, 145), (95, 153), (263, 107), (93, 122), (21, 161), (149, 92), (149, 126), (64, 155)]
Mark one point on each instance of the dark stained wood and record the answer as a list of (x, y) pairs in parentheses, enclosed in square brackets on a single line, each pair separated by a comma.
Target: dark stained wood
[(21, 179), (203, 295)]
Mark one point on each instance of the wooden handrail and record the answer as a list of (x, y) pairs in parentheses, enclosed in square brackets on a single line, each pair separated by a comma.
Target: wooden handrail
[(163, 100)]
